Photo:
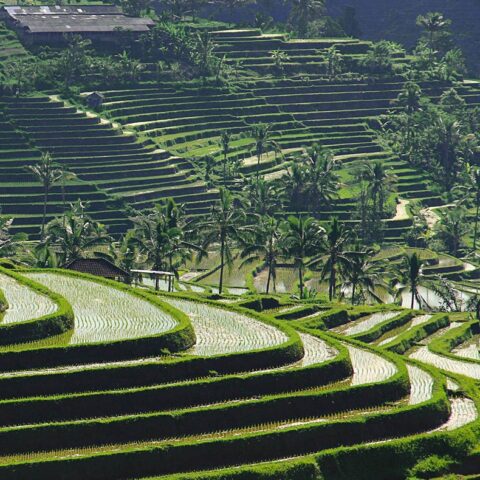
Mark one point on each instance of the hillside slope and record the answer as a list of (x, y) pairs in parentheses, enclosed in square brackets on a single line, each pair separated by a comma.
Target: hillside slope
[(395, 20)]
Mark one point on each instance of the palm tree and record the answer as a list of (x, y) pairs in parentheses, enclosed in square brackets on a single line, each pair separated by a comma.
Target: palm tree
[(322, 182), (410, 274), (75, 235), (264, 244), (160, 237), (224, 226), (262, 134), (292, 186), (225, 142), (474, 188), (204, 49), (452, 147), (380, 184), (335, 247), (451, 228), (409, 100), (433, 23), (48, 174), (301, 238), (261, 197), (6, 240), (363, 275), (305, 11)]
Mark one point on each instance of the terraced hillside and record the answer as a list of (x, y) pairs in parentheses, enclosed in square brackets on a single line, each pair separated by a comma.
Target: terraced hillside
[(297, 381), (22, 196), (301, 112), (147, 142)]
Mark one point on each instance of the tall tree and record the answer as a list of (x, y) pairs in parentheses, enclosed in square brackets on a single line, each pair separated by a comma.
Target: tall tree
[(161, 237), (409, 100), (335, 256), (264, 244), (473, 186), (76, 235), (434, 23), (451, 228), (73, 61), (292, 187), (225, 140), (363, 276), (48, 174), (302, 239), (410, 275), (303, 12), (261, 197), (223, 226), (262, 135), (380, 184), (322, 181)]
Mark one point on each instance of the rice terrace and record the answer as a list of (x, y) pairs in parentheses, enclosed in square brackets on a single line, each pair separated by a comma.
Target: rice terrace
[(239, 240)]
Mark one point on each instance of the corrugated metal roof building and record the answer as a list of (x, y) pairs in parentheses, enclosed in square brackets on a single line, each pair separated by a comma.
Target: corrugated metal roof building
[(46, 24)]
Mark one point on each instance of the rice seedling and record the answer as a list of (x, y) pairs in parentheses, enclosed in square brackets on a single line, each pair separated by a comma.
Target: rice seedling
[(415, 322), (369, 367), (469, 349), (463, 412), (104, 313), (221, 331), (421, 385), (24, 303), (468, 369), (364, 324)]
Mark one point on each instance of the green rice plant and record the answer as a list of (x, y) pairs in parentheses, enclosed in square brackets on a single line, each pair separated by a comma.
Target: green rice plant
[(104, 314), (221, 331), (24, 303)]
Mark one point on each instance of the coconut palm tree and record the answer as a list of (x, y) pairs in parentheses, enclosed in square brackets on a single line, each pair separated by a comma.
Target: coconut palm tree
[(409, 99), (262, 135), (224, 226), (305, 11), (264, 244), (261, 197), (301, 238), (335, 256), (363, 275), (433, 23), (225, 140), (411, 276), (292, 186), (160, 235), (48, 174), (473, 189), (451, 227), (322, 182), (76, 234), (380, 184), (449, 137)]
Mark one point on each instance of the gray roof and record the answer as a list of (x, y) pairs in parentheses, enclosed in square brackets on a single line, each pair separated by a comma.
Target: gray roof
[(14, 10), (80, 19)]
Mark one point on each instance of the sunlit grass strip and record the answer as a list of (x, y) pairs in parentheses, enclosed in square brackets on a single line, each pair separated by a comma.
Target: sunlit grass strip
[(407, 339), (364, 324), (248, 447), (392, 335), (201, 391), (34, 312), (382, 459)]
